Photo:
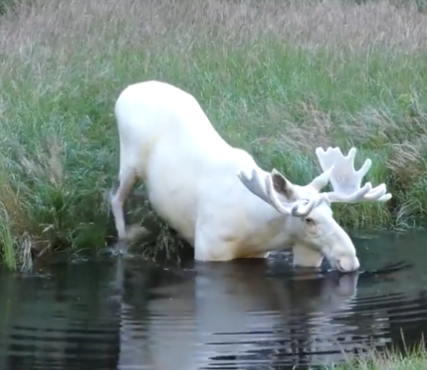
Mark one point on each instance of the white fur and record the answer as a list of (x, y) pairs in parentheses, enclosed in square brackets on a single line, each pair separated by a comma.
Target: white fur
[(216, 196)]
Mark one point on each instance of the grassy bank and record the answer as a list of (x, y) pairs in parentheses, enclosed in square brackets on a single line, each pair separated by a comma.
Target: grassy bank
[(411, 359), (274, 77)]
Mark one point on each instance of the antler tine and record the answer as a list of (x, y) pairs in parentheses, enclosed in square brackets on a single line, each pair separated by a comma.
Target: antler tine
[(253, 183), (346, 181), (378, 194)]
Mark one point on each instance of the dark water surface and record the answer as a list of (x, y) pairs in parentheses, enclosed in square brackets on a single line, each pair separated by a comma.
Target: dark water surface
[(250, 314)]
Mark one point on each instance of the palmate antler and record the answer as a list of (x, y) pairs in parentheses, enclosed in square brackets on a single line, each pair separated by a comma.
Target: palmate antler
[(337, 169), (261, 185), (346, 181)]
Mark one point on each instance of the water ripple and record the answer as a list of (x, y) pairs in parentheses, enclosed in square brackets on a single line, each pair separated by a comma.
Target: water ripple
[(250, 314)]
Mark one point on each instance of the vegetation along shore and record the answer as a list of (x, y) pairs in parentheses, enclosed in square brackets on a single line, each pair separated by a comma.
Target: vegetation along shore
[(277, 78), (414, 358)]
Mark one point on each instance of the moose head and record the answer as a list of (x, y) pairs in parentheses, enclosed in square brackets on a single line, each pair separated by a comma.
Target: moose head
[(313, 231)]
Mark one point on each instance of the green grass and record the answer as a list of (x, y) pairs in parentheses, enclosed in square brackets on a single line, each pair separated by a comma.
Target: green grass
[(277, 80), (408, 359)]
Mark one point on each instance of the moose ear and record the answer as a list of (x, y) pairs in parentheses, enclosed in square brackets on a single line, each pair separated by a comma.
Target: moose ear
[(282, 185)]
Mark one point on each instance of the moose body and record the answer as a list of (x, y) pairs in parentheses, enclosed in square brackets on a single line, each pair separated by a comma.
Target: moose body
[(216, 196)]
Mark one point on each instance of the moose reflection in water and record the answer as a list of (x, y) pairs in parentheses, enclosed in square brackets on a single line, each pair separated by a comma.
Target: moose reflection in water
[(247, 314), (235, 314)]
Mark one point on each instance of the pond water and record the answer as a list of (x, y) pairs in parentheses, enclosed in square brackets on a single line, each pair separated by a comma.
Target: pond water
[(111, 313)]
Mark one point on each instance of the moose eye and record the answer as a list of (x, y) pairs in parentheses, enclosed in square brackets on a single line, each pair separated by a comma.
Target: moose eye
[(309, 221)]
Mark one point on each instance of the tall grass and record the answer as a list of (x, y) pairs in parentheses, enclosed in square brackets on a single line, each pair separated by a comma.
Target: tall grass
[(276, 78)]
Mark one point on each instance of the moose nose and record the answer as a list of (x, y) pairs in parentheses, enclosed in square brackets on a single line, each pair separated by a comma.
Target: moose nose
[(347, 264)]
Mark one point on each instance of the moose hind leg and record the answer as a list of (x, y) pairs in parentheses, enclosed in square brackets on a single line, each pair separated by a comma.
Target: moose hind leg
[(127, 180)]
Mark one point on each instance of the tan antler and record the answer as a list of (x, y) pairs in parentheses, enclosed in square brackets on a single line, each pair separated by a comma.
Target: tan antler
[(346, 181), (264, 189)]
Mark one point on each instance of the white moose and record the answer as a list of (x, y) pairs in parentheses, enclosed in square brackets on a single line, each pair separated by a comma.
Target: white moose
[(215, 195)]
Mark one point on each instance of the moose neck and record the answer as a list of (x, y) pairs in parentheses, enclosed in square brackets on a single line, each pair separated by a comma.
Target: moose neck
[(270, 230)]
